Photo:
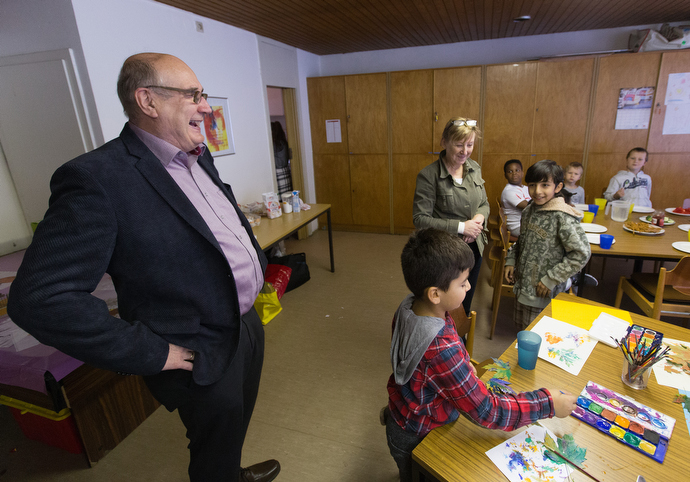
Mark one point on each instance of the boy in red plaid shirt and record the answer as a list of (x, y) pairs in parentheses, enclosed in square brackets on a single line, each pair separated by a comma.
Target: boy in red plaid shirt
[(433, 379)]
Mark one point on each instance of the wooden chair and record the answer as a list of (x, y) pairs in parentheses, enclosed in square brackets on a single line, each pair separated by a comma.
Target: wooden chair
[(498, 254), (465, 326), (667, 292)]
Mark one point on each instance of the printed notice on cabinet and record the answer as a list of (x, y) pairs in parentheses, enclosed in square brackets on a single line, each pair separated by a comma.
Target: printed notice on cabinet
[(677, 119), (634, 108), (333, 131)]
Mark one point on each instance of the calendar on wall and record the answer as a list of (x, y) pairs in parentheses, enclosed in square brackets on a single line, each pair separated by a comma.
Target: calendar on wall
[(634, 108)]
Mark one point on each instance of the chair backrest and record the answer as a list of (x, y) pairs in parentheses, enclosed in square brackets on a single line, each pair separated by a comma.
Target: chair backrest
[(503, 227), (679, 277), (464, 325)]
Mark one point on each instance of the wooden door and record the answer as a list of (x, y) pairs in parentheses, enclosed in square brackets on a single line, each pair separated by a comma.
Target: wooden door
[(367, 113), (509, 108), (327, 102), (405, 170), (370, 191), (332, 180), (411, 112), (457, 93), (562, 106), (664, 117)]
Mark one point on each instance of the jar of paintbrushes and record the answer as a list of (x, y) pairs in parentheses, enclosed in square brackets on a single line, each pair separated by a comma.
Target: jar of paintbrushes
[(641, 348)]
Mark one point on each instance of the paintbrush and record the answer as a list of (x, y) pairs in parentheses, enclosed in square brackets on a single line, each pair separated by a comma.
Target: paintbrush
[(576, 466)]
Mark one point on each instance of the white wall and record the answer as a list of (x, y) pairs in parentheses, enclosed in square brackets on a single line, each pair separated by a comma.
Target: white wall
[(479, 52), (224, 58), (28, 26)]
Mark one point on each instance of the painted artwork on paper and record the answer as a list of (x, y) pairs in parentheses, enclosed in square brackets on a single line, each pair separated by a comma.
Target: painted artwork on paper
[(566, 346), (217, 128), (674, 370), (525, 457)]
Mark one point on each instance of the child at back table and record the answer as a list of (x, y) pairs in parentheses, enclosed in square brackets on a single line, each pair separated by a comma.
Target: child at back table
[(573, 174), (433, 379), (515, 195), (632, 184), (551, 248)]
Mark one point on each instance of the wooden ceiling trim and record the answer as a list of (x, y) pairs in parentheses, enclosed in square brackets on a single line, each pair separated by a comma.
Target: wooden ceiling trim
[(367, 18), (450, 17), (340, 26)]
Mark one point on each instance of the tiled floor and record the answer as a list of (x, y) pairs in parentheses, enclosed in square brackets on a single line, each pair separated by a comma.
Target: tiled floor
[(324, 378)]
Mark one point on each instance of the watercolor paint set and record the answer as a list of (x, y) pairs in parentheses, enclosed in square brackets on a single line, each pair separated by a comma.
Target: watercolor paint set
[(631, 423)]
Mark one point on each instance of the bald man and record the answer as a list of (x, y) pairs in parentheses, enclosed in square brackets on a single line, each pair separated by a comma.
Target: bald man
[(149, 209)]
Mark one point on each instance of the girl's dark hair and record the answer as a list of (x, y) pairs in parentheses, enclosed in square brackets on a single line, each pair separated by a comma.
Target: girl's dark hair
[(548, 170), (433, 257)]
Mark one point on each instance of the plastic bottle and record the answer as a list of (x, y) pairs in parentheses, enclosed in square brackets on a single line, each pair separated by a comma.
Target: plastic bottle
[(295, 202), (658, 218)]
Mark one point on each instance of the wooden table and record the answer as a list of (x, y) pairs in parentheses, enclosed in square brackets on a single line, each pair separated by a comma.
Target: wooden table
[(456, 452), (271, 231), (638, 246)]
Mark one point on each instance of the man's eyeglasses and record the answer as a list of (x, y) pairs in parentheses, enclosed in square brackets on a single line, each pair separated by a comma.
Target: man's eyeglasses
[(468, 123), (196, 94)]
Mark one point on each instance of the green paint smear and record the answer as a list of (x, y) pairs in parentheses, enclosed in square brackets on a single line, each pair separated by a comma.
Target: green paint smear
[(596, 408)]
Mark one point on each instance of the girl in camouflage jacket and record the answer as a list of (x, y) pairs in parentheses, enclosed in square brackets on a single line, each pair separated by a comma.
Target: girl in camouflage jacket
[(552, 246)]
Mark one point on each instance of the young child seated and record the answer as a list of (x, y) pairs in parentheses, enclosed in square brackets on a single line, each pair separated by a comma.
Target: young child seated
[(552, 248), (632, 184), (573, 173), (433, 379), (515, 196)]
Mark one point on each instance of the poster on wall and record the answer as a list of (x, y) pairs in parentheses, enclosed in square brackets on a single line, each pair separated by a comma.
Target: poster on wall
[(634, 108), (677, 118), (217, 128)]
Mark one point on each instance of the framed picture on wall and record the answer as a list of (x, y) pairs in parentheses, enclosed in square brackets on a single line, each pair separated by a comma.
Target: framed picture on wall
[(217, 128)]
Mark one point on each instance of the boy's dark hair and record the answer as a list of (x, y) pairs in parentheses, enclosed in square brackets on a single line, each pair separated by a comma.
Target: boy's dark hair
[(639, 149), (512, 161), (433, 257), (548, 170), (576, 164)]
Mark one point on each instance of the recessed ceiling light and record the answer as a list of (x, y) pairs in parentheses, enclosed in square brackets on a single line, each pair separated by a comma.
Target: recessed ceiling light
[(522, 18)]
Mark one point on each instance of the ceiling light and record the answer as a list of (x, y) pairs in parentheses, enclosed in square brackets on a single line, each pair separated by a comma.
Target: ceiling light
[(522, 18)]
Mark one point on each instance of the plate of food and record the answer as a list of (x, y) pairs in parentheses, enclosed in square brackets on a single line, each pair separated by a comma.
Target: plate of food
[(593, 228), (679, 211), (642, 210), (593, 238), (684, 227), (642, 228), (683, 246), (648, 219)]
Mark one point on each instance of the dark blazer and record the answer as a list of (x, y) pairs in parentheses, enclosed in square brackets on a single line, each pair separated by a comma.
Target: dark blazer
[(116, 210)]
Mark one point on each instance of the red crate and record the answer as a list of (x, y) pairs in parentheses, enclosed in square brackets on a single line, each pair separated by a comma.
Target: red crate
[(58, 433)]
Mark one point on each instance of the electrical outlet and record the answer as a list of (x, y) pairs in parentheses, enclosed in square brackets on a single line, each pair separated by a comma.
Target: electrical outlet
[(199, 27)]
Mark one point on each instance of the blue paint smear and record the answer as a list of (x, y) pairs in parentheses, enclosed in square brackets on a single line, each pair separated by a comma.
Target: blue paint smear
[(517, 461)]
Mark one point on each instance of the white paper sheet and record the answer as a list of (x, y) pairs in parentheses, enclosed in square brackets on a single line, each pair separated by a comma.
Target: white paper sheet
[(563, 344)]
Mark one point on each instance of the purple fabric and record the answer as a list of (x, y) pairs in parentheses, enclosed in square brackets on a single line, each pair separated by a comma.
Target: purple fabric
[(26, 368)]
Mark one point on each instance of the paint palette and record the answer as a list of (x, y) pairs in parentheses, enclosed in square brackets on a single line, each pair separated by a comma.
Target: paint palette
[(626, 420)]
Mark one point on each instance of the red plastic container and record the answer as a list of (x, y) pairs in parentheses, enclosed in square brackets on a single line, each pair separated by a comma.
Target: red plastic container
[(58, 433)]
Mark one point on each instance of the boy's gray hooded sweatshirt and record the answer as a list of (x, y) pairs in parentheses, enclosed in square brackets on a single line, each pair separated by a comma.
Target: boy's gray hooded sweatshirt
[(412, 335)]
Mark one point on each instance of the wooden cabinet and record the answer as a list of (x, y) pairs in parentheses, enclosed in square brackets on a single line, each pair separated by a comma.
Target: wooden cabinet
[(352, 175), (411, 113), (457, 93), (671, 63), (564, 110), (562, 106), (367, 114)]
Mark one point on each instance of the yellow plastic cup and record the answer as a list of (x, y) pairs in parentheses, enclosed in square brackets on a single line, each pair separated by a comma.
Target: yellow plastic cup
[(588, 218), (689, 235), (631, 208), (601, 202)]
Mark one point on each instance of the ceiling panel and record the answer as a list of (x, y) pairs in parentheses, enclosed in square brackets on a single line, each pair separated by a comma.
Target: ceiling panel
[(342, 26)]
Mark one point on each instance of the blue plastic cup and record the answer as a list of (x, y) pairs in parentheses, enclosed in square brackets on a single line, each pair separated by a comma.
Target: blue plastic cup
[(605, 241), (528, 349), (593, 208)]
